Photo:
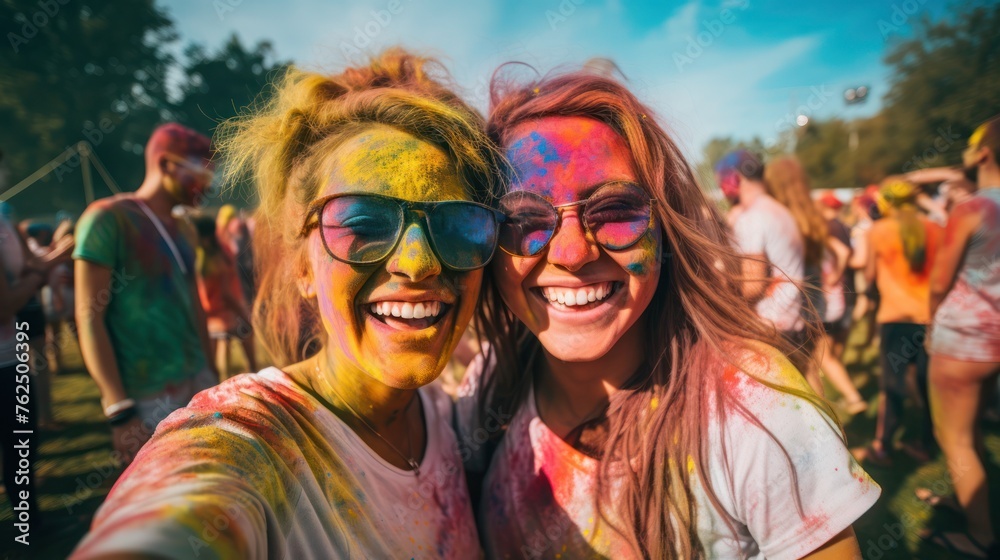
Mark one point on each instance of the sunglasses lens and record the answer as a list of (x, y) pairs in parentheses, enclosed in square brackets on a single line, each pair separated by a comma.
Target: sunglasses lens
[(618, 215), (465, 235), (530, 223), (360, 229)]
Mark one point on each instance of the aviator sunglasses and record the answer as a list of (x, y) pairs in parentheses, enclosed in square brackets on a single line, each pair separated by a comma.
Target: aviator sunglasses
[(364, 229), (616, 215)]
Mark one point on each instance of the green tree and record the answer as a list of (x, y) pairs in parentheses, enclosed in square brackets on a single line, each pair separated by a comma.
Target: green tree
[(217, 86), (76, 71), (945, 82)]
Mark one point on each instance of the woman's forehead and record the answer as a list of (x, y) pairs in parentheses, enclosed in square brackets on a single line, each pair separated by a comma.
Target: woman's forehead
[(557, 157), (387, 161)]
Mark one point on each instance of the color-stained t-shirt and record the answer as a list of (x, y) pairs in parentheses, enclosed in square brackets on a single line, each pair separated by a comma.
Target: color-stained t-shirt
[(538, 493), (768, 228), (967, 323), (150, 313), (258, 468), (904, 294)]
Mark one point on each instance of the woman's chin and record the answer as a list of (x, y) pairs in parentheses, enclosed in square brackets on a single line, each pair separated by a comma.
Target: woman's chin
[(573, 349), (414, 376)]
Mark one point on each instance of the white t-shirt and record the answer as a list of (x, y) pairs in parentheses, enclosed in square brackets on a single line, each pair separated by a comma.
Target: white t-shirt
[(538, 493), (258, 468), (768, 228)]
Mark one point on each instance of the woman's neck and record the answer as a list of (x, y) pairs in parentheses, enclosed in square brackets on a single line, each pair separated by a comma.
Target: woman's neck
[(346, 389), (388, 420), (570, 393)]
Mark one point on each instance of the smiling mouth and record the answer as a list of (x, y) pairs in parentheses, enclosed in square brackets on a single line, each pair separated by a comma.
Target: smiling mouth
[(578, 299), (408, 316)]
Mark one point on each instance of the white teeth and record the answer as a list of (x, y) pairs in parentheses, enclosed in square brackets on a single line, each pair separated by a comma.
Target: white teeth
[(582, 296), (407, 310)]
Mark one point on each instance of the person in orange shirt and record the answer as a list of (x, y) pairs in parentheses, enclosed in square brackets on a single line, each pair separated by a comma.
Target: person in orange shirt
[(222, 297), (901, 251)]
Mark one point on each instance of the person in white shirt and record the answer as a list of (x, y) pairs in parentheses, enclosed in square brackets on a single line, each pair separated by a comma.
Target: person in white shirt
[(630, 403), (773, 247)]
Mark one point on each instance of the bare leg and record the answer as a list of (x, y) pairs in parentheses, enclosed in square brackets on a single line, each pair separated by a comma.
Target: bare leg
[(835, 370), (248, 349), (812, 376), (43, 382), (956, 395), (222, 357)]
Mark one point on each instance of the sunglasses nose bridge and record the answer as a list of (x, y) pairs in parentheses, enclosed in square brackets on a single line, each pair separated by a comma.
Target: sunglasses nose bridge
[(414, 255)]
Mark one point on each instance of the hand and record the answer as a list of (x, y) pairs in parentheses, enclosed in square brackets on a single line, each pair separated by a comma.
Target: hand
[(128, 438)]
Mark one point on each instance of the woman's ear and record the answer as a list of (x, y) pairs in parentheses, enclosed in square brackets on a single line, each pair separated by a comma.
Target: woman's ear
[(307, 288)]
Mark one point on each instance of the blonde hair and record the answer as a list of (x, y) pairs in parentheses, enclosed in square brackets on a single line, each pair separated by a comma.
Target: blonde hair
[(282, 147)]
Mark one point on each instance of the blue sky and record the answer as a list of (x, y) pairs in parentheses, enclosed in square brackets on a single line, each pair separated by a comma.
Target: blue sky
[(709, 67)]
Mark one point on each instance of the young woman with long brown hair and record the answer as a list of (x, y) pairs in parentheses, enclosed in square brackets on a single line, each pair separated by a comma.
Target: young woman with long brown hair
[(631, 404), (826, 259), (373, 233)]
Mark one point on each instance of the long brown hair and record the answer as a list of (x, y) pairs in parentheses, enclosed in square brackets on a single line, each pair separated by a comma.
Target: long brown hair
[(788, 183), (282, 148), (693, 324)]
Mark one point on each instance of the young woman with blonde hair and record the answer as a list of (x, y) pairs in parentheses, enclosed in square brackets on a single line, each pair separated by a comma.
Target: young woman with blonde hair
[(373, 233)]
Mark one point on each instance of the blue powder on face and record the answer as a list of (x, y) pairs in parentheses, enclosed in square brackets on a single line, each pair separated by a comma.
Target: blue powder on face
[(217, 415), (636, 268)]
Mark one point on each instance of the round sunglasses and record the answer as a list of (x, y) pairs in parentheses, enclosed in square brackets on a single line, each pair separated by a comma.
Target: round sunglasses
[(364, 229), (616, 215)]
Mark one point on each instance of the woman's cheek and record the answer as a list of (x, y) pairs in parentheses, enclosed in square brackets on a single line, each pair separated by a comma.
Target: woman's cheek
[(509, 273), (644, 258)]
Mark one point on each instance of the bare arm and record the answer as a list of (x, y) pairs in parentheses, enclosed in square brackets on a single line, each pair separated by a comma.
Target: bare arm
[(843, 254), (14, 297), (949, 257), (870, 260), (859, 254), (755, 277), (201, 321), (93, 288), (934, 175), (844, 546)]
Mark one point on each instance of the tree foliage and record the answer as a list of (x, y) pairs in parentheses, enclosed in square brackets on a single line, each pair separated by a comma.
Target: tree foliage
[(103, 72), (945, 82)]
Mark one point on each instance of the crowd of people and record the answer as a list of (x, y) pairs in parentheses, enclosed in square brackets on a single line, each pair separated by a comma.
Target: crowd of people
[(649, 364)]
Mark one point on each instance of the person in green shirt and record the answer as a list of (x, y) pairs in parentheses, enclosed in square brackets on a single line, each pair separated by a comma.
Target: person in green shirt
[(140, 323)]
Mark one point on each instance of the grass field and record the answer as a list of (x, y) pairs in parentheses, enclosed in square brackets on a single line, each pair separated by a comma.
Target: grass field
[(76, 470)]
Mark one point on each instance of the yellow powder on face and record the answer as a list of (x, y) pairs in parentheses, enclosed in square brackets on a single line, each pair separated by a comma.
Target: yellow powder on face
[(387, 161)]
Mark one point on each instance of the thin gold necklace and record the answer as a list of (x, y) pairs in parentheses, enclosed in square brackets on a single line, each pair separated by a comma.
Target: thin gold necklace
[(414, 465)]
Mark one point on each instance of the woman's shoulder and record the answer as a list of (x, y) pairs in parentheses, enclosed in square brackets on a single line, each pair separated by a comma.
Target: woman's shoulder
[(756, 366), (246, 404)]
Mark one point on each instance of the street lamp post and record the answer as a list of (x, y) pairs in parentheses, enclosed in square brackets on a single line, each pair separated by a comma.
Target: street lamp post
[(854, 96)]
